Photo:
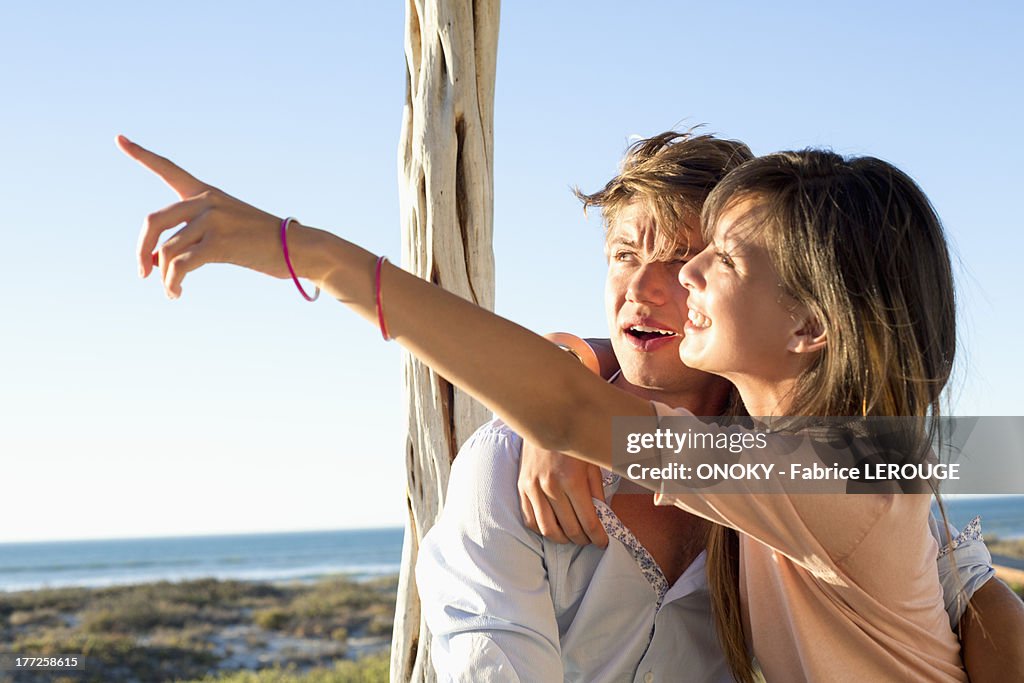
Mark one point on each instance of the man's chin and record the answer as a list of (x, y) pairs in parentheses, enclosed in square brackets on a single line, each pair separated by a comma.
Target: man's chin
[(668, 376), (655, 379)]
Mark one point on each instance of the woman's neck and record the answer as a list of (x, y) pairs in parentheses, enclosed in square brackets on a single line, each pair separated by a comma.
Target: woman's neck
[(766, 398)]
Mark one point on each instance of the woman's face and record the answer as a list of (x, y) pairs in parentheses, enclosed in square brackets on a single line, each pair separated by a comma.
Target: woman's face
[(741, 323)]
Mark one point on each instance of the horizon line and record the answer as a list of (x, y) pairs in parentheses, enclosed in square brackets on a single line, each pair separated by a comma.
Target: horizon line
[(211, 534)]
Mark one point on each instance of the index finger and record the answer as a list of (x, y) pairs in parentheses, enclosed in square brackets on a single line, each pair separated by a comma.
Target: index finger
[(179, 180)]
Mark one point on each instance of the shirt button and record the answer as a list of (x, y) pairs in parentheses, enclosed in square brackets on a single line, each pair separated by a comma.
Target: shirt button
[(649, 677)]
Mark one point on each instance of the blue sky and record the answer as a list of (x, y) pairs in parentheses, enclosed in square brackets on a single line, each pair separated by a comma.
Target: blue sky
[(242, 408)]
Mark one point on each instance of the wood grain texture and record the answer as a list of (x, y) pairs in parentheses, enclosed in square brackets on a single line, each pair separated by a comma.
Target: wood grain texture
[(445, 161)]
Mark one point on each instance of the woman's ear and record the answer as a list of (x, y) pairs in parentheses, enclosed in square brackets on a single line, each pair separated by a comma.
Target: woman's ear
[(809, 335)]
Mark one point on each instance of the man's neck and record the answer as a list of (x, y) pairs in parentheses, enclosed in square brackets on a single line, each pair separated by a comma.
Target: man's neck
[(705, 398), (673, 537)]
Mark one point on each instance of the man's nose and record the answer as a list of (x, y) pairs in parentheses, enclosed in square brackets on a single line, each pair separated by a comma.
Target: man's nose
[(650, 284)]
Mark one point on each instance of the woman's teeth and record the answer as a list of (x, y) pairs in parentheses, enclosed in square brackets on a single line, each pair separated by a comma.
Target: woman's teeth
[(698, 319)]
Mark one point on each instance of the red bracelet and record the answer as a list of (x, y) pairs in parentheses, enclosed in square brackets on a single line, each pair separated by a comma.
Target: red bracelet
[(380, 306), (288, 260)]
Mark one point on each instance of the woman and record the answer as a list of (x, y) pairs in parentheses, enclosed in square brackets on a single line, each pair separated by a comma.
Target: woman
[(826, 290)]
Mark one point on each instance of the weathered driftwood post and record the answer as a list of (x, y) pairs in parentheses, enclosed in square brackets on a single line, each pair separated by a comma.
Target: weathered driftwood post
[(446, 188)]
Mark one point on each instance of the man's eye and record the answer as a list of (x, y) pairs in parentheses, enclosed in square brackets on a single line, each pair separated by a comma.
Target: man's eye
[(623, 255), (724, 258)]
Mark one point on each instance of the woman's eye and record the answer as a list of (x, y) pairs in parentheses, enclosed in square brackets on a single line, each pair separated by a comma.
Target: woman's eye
[(724, 258)]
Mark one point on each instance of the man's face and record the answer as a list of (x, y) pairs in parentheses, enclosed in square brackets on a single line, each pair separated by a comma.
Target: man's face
[(646, 303)]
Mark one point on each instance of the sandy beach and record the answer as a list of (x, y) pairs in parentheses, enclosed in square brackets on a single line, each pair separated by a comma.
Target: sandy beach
[(1014, 576)]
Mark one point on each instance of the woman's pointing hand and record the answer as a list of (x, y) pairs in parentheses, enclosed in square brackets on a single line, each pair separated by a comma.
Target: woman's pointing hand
[(218, 228)]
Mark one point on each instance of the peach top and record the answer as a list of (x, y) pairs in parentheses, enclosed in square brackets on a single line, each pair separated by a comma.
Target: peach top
[(836, 587)]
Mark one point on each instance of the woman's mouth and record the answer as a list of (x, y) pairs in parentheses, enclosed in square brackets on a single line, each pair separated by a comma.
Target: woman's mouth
[(697, 320)]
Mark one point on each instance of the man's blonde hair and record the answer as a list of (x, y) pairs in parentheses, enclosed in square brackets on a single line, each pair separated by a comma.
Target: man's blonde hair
[(669, 176)]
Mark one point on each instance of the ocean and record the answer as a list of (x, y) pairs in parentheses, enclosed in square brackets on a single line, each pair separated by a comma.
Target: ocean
[(360, 553), (298, 556), (1001, 516)]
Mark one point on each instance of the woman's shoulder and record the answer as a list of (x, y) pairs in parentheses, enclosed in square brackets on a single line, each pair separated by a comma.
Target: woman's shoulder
[(841, 521), (891, 524)]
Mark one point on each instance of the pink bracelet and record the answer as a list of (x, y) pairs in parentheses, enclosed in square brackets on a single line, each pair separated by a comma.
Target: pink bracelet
[(288, 260), (380, 306)]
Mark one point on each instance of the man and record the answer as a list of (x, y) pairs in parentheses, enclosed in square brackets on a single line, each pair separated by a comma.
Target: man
[(504, 603)]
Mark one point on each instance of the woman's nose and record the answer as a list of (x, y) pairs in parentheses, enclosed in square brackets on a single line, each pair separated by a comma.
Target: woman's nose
[(691, 275)]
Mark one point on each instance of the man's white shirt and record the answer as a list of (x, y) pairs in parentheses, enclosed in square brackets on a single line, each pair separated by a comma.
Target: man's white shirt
[(503, 603)]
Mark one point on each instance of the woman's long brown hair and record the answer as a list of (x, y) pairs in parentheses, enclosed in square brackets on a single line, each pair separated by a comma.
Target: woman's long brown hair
[(858, 243)]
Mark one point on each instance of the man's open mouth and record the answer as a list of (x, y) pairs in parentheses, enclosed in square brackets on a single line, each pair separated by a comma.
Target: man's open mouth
[(645, 333)]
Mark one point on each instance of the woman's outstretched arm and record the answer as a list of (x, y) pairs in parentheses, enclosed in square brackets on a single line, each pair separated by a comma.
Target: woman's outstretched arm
[(501, 364)]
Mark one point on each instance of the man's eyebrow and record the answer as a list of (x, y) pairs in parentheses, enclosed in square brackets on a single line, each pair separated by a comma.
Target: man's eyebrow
[(624, 241)]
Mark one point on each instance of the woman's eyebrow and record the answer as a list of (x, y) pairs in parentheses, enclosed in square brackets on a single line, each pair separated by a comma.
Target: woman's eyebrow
[(727, 245)]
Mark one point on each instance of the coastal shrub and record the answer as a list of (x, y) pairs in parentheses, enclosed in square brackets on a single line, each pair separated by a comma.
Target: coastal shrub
[(213, 592), (175, 631), (112, 658), (383, 584), (36, 618), (330, 596), (134, 613), (59, 599), (333, 604), (273, 619), (369, 669), (199, 593), (381, 625), (1009, 547), (189, 637)]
